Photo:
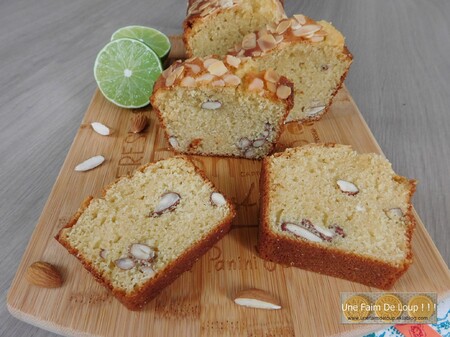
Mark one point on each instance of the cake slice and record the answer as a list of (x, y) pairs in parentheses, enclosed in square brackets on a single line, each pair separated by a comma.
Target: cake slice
[(222, 107), (147, 229), (214, 26), (328, 209), (311, 54)]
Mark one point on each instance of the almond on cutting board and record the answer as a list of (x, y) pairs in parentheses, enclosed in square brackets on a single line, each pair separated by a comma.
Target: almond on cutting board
[(43, 274), (257, 298)]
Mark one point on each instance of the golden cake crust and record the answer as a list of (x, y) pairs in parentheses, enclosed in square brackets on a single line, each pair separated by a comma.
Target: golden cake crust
[(142, 295), (328, 260)]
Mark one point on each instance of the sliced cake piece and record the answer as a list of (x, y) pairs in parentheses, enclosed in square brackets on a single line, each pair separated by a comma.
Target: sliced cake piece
[(148, 229), (328, 209), (222, 107), (214, 26), (311, 54)]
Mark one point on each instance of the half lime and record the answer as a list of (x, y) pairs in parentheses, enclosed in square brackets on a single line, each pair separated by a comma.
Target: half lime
[(151, 37), (125, 71)]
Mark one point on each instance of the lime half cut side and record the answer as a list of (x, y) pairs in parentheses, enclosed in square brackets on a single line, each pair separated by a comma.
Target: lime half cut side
[(151, 37), (125, 71)]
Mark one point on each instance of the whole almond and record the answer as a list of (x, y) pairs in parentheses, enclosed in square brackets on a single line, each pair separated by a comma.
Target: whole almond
[(256, 298), (139, 123), (43, 274)]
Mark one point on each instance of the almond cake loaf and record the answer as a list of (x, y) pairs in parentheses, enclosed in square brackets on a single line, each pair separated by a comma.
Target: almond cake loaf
[(214, 26), (327, 209), (222, 107), (148, 229), (311, 54)]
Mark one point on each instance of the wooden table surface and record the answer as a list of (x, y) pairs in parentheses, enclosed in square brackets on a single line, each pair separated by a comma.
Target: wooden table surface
[(400, 80)]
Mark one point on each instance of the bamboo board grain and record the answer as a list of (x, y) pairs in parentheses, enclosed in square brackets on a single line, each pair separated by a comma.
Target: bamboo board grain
[(199, 302)]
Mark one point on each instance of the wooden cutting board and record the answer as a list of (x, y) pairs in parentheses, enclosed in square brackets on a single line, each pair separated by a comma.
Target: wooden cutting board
[(199, 302)]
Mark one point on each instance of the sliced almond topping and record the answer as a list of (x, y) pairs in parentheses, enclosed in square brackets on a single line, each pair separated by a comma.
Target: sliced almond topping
[(300, 232), (267, 42), (259, 142), (171, 79), (125, 263), (218, 83), (206, 78), (283, 26), (188, 81), (257, 298), (249, 41), (347, 187), (233, 61), (194, 67), (278, 38), (168, 202), (232, 79), (301, 19), (283, 91), (90, 163), (271, 76), (167, 72), (174, 142), (218, 199), (295, 25), (394, 213), (315, 110), (208, 62), (316, 38), (141, 251), (211, 105), (256, 84), (271, 27), (218, 68), (101, 129), (178, 72), (307, 30), (244, 143)]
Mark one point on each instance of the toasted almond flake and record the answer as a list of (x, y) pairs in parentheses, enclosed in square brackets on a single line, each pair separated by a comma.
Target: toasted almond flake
[(244, 143), (321, 32), (394, 213), (347, 187), (217, 199), (205, 78), (178, 71), (125, 263), (283, 91), (271, 27), (207, 11), (300, 232), (295, 25), (316, 39), (271, 86), (271, 76), (218, 68), (257, 298), (256, 84), (167, 72), (262, 31), (301, 19), (283, 26), (267, 42), (204, 5), (171, 79), (249, 41), (259, 142), (307, 30), (232, 79), (218, 83), (90, 163), (194, 68), (314, 110), (209, 61), (211, 105), (233, 61), (188, 81), (101, 129), (278, 38), (173, 142)]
